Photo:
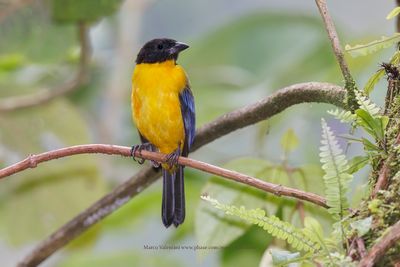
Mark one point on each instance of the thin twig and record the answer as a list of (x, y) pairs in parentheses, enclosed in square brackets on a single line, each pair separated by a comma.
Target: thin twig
[(33, 160), (334, 38), (391, 237), (361, 247), (45, 95), (251, 114)]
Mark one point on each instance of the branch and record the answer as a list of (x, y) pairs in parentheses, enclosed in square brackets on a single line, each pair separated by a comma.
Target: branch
[(33, 160), (383, 179), (45, 95), (268, 107), (334, 38), (262, 110), (379, 249)]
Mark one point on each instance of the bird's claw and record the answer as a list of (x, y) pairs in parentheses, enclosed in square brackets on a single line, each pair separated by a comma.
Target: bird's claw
[(138, 148), (172, 158)]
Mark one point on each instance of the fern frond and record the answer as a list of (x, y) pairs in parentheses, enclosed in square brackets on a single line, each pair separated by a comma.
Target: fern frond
[(394, 13), (336, 176), (343, 115), (366, 104), (372, 47), (272, 224)]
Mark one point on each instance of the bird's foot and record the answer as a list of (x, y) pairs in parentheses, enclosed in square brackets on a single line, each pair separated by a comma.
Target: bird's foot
[(139, 148), (172, 158)]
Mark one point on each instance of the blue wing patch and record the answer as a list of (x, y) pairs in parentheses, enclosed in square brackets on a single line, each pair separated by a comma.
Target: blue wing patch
[(188, 113)]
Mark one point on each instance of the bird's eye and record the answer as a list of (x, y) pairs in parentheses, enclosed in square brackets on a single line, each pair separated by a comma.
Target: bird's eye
[(160, 46)]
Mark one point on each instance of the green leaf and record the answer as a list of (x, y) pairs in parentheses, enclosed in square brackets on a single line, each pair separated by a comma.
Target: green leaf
[(289, 141), (369, 146), (374, 79), (362, 226), (366, 121), (394, 13), (73, 11), (374, 126), (336, 176), (357, 163), (372, 47)]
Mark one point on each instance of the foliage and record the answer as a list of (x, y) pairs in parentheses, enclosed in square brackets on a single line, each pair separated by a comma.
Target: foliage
[(336, 176), (367, 105), (368, 118), (394, 13), (272, 224), (357, 163), (210, 228), (374, 79), (309, 242), (374, 46), (344, 116)]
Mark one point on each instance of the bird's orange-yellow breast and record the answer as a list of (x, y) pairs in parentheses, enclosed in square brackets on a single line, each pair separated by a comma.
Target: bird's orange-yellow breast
[(156, 108)]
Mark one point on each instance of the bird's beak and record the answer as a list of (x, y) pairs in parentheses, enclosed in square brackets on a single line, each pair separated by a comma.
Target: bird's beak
[(178, 47)]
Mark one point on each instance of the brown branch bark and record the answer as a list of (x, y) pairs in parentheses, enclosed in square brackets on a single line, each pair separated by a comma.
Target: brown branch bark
[(45, 95), (391, 237), (383, 179), (262, 110), (334, 38)]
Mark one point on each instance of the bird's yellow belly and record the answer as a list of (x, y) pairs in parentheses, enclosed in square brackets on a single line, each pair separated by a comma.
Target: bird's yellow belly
[(159, 120), (156, 108)]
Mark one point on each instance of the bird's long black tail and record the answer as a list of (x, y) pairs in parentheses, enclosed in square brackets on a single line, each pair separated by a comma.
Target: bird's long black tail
[(173, 198)]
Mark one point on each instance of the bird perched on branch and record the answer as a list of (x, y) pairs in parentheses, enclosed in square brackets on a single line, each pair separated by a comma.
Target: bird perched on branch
[(163, 111)]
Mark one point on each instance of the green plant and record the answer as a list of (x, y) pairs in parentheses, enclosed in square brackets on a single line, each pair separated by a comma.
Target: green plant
[(309, 243)]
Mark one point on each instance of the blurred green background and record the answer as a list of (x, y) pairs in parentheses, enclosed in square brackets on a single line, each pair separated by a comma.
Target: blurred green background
[(241, 51)]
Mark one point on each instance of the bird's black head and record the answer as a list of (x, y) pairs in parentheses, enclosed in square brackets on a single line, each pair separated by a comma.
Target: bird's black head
[(160, 50)]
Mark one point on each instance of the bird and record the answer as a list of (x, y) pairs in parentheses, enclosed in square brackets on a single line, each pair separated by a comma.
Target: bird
[(163, 110)]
